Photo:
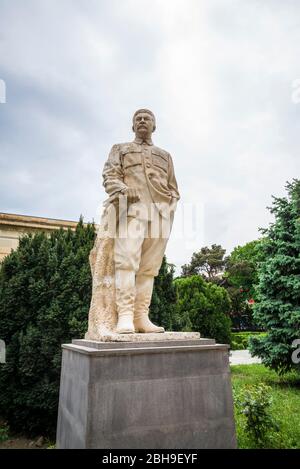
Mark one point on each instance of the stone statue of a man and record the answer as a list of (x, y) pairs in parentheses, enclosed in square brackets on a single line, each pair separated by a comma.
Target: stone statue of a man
[(139, 178)]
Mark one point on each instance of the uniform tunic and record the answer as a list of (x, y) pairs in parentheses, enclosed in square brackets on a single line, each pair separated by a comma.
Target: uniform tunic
[(149, 169)]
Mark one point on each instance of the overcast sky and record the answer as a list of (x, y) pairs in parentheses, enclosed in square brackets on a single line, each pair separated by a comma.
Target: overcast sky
[(220, 75)]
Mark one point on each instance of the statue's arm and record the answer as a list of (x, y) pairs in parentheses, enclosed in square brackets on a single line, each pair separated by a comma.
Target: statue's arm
[(172, 180), (113, 175)]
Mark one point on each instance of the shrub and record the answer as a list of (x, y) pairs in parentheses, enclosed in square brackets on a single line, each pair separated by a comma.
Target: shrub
[(4, 433), (202, 307), (240, 340), (254, 403)]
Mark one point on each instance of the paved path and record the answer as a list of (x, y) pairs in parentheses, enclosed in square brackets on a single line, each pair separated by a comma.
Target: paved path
[(242, 357)]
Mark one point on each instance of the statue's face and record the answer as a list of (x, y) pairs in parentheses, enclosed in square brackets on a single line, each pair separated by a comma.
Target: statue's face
[(143, 125)]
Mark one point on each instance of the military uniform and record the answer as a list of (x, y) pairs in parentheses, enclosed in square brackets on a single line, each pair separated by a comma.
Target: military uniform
[(149, 169), (138, 256)]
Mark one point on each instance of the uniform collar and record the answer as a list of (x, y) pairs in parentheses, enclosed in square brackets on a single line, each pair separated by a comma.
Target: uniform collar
[(140, 141)]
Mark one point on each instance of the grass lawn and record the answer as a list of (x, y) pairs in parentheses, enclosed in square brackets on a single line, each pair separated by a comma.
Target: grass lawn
[(285, 407)]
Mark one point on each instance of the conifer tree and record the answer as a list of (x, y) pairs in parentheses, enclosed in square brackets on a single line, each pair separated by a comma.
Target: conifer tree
[(163, 301), (208, 262), (45, 290), (278, 292)]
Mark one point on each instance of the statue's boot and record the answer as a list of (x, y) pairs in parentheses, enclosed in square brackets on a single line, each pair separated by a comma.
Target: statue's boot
[(144, 287), (125, 295)]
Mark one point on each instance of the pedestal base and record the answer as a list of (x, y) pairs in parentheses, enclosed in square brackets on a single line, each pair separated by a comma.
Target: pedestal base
[(151, 395), (142, 337)]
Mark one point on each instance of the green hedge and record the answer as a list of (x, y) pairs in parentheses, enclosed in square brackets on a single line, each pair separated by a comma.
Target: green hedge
[(240, 340)]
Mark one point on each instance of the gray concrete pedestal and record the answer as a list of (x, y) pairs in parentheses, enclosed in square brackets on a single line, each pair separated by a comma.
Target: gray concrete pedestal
[(154, 395)]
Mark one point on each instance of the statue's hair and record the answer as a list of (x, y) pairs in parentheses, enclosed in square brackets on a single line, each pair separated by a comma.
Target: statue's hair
[(148, 112)]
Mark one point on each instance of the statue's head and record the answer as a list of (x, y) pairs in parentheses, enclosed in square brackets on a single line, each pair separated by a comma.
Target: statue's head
[(143, 123)]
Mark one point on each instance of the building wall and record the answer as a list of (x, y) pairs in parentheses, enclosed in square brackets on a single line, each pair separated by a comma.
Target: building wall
[(13, 226)]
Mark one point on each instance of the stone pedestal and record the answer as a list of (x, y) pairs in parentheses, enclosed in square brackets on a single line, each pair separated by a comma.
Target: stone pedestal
[(158, 394)]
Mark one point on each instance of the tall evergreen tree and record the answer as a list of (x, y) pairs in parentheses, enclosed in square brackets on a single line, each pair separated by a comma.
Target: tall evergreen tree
[(45, 290), (278, 291), (163, 301)]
